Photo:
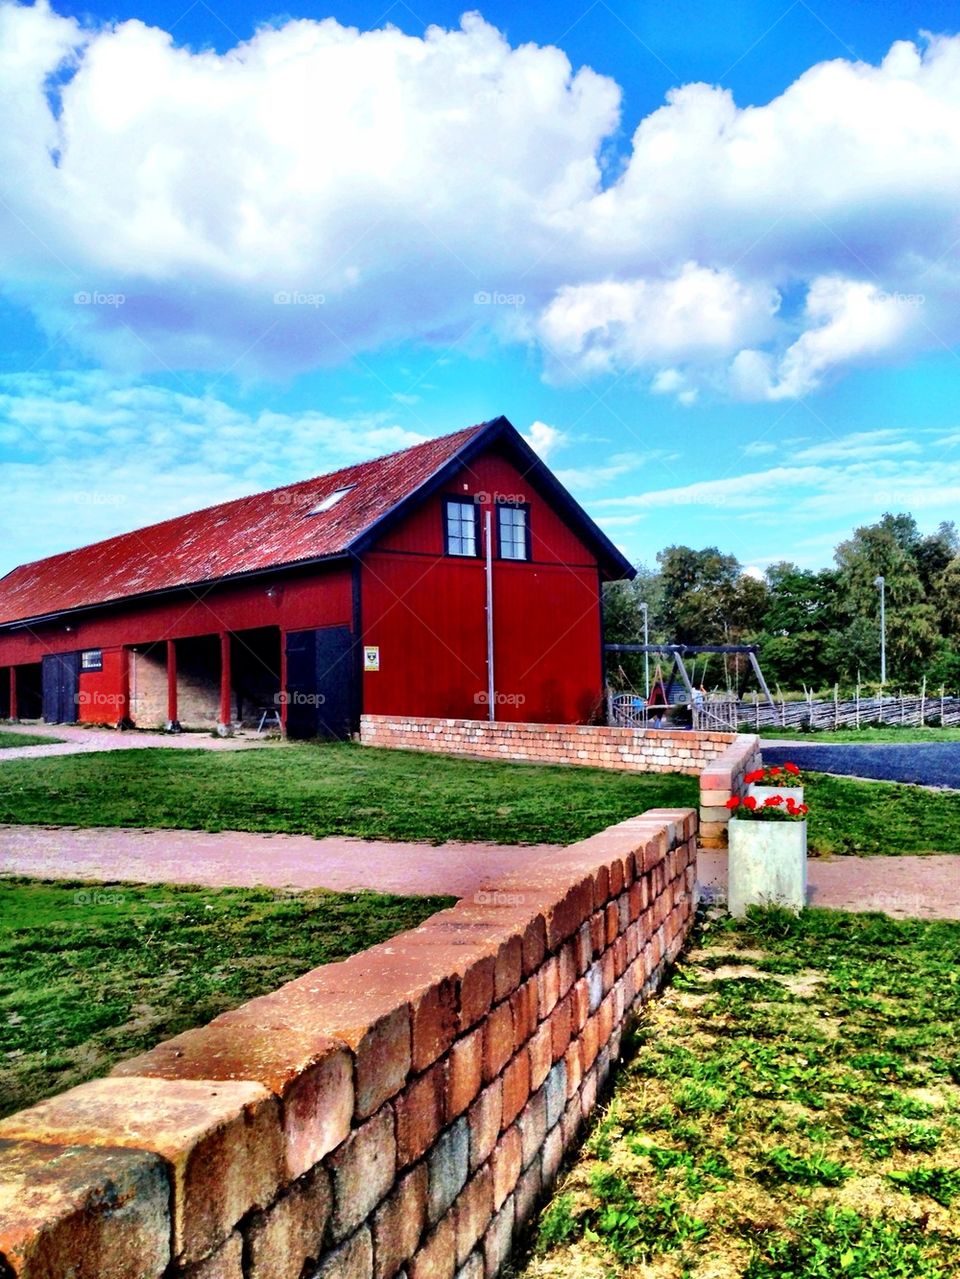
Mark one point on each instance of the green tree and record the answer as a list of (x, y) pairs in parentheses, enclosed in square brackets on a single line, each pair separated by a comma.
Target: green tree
[(889, 548), (699, 592)]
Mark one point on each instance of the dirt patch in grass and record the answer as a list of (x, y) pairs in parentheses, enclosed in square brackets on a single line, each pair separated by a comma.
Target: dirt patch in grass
[(93, 973), (795, 1114)]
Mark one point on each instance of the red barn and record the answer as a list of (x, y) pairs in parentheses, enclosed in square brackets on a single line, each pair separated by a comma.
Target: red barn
[(363, 590)]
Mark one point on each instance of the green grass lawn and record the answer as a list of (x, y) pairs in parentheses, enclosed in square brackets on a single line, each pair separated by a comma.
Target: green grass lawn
[(92, 973), (790, 1110), (868, 818), (343, 789), (842, 736), (10, 738), (332, 789)]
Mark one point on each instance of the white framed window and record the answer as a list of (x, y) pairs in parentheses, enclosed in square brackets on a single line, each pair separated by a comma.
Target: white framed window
[(460, 528)]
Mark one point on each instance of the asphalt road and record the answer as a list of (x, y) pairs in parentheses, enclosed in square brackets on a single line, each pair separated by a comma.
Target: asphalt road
[(925, 763)]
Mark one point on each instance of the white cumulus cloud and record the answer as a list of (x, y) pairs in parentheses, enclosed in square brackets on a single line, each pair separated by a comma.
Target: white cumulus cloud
[(318, 191)]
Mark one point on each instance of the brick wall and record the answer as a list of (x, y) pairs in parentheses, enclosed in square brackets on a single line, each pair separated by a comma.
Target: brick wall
[(719, 759), (402, 1112)]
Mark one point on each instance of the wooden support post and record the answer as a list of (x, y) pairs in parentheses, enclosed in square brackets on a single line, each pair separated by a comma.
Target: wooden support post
[(225, 725), (283, 681), (14, 708), (173, 720), (124, 719)]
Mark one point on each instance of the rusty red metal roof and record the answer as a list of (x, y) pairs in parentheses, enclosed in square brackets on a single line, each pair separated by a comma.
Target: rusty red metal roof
[(247, 535)]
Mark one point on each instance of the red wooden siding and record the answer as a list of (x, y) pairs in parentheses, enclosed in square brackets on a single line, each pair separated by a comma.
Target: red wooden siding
[(427, 613)]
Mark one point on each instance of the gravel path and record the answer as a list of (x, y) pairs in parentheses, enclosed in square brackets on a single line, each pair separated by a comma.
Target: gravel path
[(246, 859), (905, 887), (921, 887), (922, 763), (84, 741)]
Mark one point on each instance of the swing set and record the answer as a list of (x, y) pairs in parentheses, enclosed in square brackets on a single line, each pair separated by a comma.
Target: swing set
[(660, 693)]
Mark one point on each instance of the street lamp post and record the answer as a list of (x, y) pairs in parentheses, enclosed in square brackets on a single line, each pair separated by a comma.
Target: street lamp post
[(880, 581), (644, 608)]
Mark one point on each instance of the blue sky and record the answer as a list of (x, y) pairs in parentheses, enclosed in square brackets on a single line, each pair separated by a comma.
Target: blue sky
[(704, 256)]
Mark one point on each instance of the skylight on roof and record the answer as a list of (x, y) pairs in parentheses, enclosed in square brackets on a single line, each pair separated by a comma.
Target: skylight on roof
[(329, 502)]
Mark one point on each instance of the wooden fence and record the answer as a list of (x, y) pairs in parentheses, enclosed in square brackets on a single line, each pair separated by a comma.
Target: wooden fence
[(856, 712)]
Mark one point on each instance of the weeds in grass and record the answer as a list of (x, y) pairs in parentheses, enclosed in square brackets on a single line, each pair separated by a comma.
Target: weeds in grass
[(89, 976), (789, 1110)]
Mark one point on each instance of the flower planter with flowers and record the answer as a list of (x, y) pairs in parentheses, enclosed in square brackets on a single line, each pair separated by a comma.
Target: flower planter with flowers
[(767, 862), (785, 781)]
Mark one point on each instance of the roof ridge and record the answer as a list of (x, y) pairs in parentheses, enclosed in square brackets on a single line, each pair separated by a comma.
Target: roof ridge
[(246, 497)]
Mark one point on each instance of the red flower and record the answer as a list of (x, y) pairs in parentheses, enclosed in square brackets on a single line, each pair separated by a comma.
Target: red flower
[(733, 801), (750, 802), (792, 769), (773, 801), (802, 808), (775, 772), (755, 776)]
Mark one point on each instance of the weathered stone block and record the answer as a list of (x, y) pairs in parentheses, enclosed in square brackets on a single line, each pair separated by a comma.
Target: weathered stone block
[(448, 1164), (353, 1259), (555, 1091), (533, 1126), (484, 1118), (474, 1209), (516, 1087), (286, 1236), (540, 1049), (498, 1040), (437, 1257), (398, 1223), (362, 1172), (92, 1213), (498, 1241), (225, 1263), (419, 1111), (464, 1072), (222, 1142), (506, 1163)]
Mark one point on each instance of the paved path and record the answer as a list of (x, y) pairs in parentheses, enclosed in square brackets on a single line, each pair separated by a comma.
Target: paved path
[(233, 858), (906, 887), (922, 763), (82, 741), (922, 887)]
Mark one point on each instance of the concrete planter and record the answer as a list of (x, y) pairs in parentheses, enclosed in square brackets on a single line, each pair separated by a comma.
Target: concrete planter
[(767, 865), (760, 793)]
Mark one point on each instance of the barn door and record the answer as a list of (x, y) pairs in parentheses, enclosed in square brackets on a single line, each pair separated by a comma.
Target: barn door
[(61, 685), (320, 682)]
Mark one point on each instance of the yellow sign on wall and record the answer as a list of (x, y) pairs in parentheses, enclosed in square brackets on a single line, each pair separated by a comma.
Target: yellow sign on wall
[(371, 657)]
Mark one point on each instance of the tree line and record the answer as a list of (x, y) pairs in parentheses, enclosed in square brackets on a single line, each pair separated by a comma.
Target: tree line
[(814, 628)]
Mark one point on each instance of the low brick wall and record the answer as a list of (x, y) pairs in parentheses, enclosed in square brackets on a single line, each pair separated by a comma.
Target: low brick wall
[(401, 1112), (722, 778), (719, 759)]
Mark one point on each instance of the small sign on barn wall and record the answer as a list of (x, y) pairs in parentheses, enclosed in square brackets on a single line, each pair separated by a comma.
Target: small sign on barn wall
[(371, 657)]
